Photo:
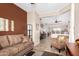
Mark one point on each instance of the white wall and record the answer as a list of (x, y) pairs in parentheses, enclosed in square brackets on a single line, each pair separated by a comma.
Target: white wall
[(36, 32), (76, 29), (33, 18), (65, 18)]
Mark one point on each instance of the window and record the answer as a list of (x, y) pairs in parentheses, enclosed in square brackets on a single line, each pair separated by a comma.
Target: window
[(5, 23), (2, 22), (57, 30), (12, 25)]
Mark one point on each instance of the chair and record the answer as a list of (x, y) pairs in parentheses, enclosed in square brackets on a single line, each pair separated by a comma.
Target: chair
[(59, 42)]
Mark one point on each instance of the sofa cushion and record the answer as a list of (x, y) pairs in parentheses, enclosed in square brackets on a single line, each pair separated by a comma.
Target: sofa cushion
[(20, 47), (10, 50), (27, 44), (62, 38), (14, 39), (13, 50), (55, 43), (4, 52), (11, 40), (3, 42), (26, 39)]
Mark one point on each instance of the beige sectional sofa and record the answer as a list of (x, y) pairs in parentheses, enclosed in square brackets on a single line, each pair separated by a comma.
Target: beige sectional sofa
[(12, 45)]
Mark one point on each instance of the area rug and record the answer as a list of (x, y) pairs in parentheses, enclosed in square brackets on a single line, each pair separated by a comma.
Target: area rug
[(50, 54), (45, 53)]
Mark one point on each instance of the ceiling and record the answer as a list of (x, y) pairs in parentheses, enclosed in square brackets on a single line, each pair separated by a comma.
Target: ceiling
[(49, 7), (42, 8)]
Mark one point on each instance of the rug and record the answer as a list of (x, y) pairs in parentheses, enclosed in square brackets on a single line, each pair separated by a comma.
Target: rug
[(45, 53), (50, 54)]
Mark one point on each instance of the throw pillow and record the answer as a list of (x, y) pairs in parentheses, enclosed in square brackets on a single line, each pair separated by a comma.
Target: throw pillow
[(25, 39)]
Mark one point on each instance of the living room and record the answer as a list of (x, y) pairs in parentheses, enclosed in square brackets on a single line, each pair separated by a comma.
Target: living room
[(10, 24), (37, 29)]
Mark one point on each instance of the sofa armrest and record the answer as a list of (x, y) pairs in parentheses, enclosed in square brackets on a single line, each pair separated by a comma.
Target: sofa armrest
[(29, 39)]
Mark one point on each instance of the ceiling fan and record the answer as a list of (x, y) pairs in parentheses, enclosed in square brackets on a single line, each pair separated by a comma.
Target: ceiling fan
[(32, 3), (56, 21)]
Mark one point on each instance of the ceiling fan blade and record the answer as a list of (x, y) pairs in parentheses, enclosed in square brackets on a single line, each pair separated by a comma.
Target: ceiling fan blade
[(32, 3), (57, 21)]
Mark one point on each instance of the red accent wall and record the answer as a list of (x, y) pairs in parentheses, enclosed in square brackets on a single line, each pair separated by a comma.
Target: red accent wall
[(12, 12)]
